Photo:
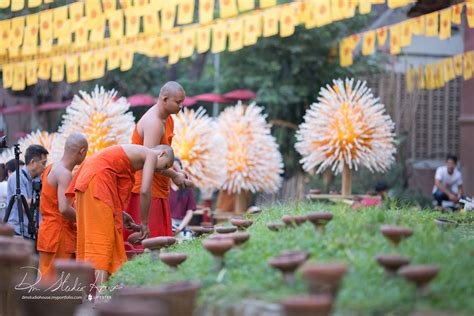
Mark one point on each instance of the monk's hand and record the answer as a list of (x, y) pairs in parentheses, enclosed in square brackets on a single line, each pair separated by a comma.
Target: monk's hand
[(180, 180), (128, 222), (145, 231)]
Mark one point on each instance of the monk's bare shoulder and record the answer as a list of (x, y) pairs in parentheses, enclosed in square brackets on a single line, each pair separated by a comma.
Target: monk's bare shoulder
[(149, 122), (136, 154), (58, 174)]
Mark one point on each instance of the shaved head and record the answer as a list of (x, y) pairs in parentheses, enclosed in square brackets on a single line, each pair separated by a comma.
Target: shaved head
[(171, 88), (75, 142), (165, 156)]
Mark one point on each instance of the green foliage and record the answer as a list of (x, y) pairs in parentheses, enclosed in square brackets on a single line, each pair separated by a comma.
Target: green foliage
[(352, 237)]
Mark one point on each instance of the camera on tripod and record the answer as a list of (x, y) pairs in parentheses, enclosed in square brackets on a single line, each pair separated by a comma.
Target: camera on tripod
[(37, 185)]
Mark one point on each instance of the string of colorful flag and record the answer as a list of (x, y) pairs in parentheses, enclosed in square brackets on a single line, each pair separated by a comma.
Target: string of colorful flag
[(436, 75), (18, 5), (91, 60), (434, 24)]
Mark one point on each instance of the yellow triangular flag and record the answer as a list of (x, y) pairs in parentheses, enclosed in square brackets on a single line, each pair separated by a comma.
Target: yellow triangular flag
[(252, 28), (368, 45), (418, 25), (470, 13), (98, 30), (245, 5), (439, 75), (30, 39), (322, 11), (19, 77), (17, 28), (98, 64), (168, 14), (354, 40), (219, 37), (458, 65), (421, 78), (60, 25), (410, 80), (76, 12), (93, 10), (432, 20), (17, 5), (44, 69), (235, 35), (113, 58), (206, 11), (349, 10), (4, 35), (445, 24), (162, 46), (430, 77), (188, 42), (395, 31), (382, 36), (85, 67), (126, 58), (365, 6), (449, 69), (467, 65), (116, 25), (81, 33), (270, 22), (287, 20), (109, 6), (185, 11), (203, 39), (7, 75), (392, 4), (57, 69), (345, 52), (132, 25), (72, 68), (308, 14), (33, 4), (406, 34), (267, 3), (151, 24), (175, 48), (227, 8), (46, 30), (338, 9), (4, 4), (457, 11), (125, 4)]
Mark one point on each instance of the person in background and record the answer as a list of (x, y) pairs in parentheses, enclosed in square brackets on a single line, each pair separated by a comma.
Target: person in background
[(10, 166), (6, 170), (448, 182), (182, 204)]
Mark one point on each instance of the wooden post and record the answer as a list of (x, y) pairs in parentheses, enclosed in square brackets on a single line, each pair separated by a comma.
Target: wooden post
[(346, 180), (240, 202)]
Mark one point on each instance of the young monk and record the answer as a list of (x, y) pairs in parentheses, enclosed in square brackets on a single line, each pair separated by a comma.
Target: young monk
[(57, 233), (156, 127), (102, 189)]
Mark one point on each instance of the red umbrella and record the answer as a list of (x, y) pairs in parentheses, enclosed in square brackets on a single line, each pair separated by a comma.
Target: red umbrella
[(189, 101), (240, 94), (49, 106), (211, 97), (141, 100), (17, 109)]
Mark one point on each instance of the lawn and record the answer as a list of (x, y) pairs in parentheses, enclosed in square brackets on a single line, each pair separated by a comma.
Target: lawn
[(352, 237)]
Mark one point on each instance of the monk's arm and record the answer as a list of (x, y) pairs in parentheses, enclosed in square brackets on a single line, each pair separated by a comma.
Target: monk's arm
[(145, 189), (64, 178)]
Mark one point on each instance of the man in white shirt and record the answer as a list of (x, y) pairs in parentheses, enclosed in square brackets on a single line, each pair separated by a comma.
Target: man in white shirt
[(448, 182)]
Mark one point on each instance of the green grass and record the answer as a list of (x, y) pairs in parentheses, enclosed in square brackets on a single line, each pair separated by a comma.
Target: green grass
[(352, 237)]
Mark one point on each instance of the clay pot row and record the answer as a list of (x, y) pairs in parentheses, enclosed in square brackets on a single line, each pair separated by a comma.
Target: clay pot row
[(318, 219)]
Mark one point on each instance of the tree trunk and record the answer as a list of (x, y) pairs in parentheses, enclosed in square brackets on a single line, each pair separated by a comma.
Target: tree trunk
[(346, 180)]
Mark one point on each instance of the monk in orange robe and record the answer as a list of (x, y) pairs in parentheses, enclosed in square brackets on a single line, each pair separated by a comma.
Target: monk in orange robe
[(156, 127), (102, 188), (57, 233)]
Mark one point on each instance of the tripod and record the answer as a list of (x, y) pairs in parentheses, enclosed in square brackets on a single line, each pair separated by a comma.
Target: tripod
[(20, 200)]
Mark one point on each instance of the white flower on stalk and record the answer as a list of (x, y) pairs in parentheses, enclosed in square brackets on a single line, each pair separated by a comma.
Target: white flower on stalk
[(347, 125), (254, 162), (43, 138), (200, 149)]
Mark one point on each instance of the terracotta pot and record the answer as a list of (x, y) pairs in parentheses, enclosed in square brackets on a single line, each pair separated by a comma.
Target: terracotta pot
[(420, 275), (241, 223), (240, 238), (173, 259), (225, 229), (299, 219), (218, 248), (287, 263), (395, 233), (324, 278), (201, 230), (254, 210), (319, 219), (308, 305), (288, 220), (391, 263), (134, 238), (157, 243), (275, 226), (315, 191), (6, 230)]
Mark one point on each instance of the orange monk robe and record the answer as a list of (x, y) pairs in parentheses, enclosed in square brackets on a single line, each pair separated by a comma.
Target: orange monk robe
[(56, 234), (159, 219), (102, 189)]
